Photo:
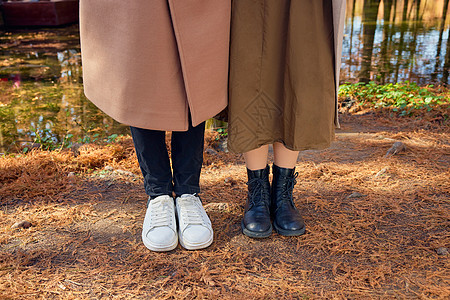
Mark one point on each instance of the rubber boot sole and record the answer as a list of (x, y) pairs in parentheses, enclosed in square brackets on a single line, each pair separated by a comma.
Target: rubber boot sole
[(256, 234), (289, 232)]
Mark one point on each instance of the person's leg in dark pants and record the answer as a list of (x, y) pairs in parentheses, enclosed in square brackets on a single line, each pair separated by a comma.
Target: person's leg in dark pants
[(159, 232), (153, 160), (195, 229), (187, 159), (159, 229)]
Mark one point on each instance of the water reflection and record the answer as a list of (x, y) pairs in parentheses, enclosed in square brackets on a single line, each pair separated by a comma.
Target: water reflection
[(56, 113), (41, 93), (397, 40)]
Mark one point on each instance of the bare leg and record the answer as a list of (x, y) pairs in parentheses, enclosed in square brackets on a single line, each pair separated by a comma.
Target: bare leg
[(257, 159), (283, 157)]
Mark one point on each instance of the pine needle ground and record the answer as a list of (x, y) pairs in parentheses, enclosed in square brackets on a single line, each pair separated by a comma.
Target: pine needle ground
[(377, 227)]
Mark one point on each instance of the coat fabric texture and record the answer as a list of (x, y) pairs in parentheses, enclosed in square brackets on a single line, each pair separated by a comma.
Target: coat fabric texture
[(285, 58), (151, 63)]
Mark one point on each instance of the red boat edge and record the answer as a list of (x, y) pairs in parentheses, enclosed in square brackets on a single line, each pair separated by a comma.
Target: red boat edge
[(40, 13)]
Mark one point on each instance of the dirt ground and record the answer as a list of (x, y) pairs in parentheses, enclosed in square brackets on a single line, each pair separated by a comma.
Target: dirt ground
[(377, 227)]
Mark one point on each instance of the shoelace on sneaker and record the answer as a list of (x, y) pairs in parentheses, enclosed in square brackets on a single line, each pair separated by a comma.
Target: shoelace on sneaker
[(190, 211), (161, 214)]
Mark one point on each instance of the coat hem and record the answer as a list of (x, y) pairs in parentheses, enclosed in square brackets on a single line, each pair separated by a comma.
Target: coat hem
[(143, 122)]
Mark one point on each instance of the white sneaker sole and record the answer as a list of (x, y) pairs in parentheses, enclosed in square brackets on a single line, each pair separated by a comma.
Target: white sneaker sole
[(160, 248), (196, 246)]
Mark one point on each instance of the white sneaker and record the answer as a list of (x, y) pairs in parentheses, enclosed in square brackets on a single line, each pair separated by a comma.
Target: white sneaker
[(194, 226), (159, 232)]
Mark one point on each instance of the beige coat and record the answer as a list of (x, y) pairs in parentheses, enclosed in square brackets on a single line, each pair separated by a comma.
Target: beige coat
[(147, 63)]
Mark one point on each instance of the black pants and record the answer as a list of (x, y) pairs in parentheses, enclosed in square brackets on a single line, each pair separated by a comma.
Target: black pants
[(187, 159)]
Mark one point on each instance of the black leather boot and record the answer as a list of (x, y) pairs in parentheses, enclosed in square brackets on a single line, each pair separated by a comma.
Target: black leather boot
[(256, 222), (286, 218)]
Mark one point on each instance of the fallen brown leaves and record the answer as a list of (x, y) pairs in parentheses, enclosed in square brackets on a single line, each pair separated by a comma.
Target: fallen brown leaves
[(374, 225)]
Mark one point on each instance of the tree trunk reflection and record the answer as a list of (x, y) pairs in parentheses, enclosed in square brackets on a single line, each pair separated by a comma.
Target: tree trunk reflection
[(439, 45), (350, 47), (369, 18), (387, 35), (447, 61), (401, 46)]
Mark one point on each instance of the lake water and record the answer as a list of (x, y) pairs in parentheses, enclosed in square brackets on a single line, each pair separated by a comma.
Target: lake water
[(391, 41), (41, 75)]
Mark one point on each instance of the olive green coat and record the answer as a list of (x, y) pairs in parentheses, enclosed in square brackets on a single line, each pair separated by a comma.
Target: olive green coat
[(285, 58)]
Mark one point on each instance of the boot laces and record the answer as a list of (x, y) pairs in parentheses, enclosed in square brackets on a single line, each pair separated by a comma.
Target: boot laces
[(288, 188), (255, 189)]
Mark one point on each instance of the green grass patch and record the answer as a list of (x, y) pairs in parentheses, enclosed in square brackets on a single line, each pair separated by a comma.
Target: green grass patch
[(405, 98)]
